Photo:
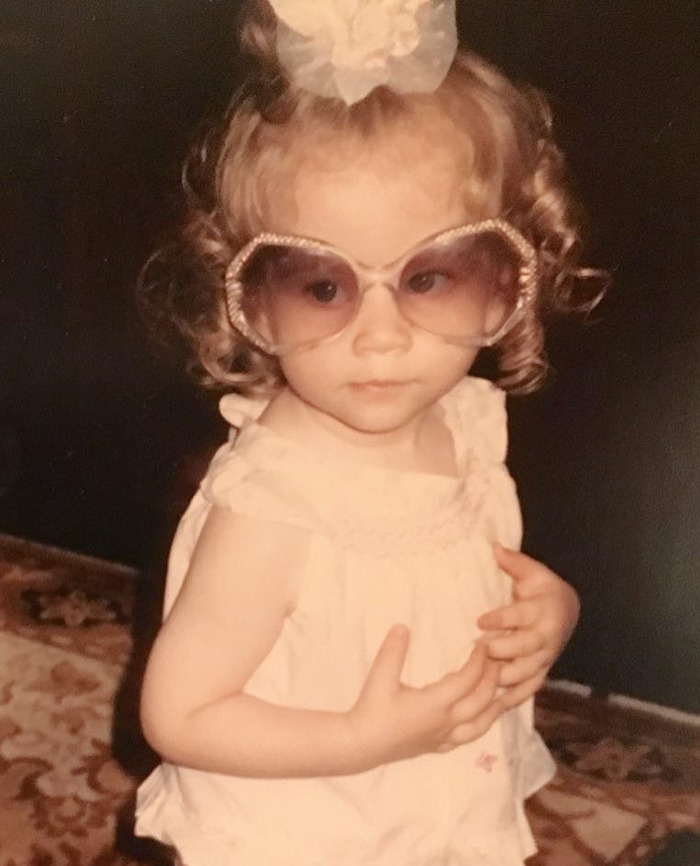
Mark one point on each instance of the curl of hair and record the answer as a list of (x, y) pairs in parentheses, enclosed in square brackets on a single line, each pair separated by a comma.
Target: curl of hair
[(511, 168)]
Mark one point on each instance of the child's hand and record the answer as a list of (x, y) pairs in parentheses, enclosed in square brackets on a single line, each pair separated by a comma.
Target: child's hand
[(392, 721), (539, 622)]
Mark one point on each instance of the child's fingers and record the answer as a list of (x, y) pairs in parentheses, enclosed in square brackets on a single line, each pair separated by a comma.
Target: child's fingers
[(523, 642), (520, 614), (473, 703), (530, 576), (517, 695), (385, 672), (467, 732), (517, 564), (500, 618), (522, 669), (454, 685)]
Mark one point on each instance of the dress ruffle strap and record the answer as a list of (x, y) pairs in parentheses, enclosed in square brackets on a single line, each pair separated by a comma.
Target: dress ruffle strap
[(477, 411), (239, 410)]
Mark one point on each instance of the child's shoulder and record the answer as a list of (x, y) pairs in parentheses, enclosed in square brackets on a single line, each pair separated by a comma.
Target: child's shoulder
[(251, 474), (476, 413)]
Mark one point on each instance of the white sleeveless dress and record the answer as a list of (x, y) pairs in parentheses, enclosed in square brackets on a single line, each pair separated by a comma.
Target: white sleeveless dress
[(388, 546)]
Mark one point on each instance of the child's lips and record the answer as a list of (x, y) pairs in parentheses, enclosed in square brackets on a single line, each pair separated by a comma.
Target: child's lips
[(378, 385)]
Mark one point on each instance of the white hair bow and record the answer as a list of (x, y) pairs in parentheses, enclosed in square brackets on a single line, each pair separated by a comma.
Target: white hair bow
[(346, 48)]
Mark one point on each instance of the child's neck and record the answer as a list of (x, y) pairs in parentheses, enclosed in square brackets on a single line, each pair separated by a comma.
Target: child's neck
[(424, 445)]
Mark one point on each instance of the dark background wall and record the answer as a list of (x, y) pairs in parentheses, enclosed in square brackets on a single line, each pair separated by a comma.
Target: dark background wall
[(100, 443)]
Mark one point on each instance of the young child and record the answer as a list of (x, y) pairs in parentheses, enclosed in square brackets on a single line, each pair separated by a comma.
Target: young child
[(347, 662)]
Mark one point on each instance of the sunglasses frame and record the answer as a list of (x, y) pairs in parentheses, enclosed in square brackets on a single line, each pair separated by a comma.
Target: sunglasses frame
[(527, 279)]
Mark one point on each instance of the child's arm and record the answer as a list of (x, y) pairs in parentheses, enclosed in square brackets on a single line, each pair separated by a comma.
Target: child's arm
[(242, 583), (542, 617)]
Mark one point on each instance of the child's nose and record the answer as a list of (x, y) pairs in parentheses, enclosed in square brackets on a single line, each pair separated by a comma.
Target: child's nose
[(380, 326)]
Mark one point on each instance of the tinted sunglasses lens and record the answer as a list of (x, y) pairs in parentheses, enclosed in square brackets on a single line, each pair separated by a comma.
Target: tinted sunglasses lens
[(467, 287), (293, 295)]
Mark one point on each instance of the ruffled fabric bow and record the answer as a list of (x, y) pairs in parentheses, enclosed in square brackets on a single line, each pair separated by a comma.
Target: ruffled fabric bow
[(346, 48)]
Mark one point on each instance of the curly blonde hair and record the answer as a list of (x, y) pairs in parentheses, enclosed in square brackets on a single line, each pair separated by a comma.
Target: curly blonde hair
[(506, 153)]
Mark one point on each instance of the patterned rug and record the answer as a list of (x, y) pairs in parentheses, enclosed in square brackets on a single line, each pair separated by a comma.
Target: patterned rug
[(71, 752)]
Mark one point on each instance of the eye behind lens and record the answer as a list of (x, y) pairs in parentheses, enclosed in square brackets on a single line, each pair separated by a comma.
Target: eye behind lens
[(463, 288), (323, 291), (423, 282)]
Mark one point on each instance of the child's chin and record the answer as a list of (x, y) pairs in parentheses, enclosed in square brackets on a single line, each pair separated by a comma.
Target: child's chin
[(381, 420)]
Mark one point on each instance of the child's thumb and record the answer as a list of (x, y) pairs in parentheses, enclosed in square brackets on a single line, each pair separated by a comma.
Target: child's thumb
[(389, 661)]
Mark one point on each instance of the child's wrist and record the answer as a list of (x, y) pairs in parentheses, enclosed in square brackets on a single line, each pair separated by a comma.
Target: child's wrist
[(362, 743)]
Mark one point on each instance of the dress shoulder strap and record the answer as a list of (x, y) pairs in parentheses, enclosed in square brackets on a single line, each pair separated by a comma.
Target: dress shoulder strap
[(476, 413)]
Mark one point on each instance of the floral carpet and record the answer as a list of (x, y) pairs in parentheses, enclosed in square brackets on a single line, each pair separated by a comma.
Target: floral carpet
[(71, 752)]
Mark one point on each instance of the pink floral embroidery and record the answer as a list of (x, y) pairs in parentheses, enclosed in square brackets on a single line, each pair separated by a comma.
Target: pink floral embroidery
[(486, 761)]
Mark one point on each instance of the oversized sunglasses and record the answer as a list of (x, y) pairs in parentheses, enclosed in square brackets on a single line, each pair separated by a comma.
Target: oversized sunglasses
[(468, 286)]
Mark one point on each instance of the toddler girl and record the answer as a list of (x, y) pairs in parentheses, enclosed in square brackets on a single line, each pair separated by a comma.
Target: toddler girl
[(382, 207)]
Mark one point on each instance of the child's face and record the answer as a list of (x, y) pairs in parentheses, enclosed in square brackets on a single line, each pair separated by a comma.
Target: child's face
[(380, 374)]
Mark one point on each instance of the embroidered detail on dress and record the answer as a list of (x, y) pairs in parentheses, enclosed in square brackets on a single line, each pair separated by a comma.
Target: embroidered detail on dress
[(486, 761), (435, 513)]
